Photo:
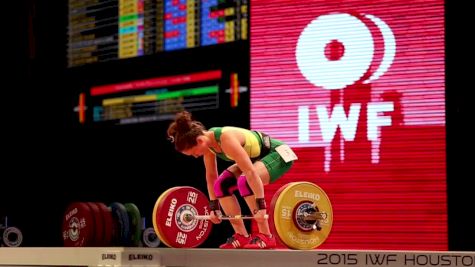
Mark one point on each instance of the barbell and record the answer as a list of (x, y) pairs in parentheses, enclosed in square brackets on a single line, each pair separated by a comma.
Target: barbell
[(191, 217), (300, 215)]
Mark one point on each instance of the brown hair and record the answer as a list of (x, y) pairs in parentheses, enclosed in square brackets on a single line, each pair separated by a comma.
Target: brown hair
[(184, 130)]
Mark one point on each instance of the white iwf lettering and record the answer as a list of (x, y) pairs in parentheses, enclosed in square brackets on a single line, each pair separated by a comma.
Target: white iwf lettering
[(375, 122), (329, 124), (348, 123)]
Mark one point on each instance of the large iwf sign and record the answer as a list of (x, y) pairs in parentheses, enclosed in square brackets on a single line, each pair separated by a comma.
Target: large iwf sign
[(357, 88)]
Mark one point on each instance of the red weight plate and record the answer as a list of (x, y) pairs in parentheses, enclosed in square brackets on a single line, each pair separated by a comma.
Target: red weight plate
[(78, 225), (98, 224), (108, 224), (169, 217)]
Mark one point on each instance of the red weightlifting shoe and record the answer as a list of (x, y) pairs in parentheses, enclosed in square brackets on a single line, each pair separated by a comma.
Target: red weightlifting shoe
[(261, 241), (236, 241)]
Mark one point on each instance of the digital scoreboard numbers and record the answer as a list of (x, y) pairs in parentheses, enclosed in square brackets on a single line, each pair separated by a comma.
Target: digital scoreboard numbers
[(92, 31), (103, 30), (131, 28), (223, 21)]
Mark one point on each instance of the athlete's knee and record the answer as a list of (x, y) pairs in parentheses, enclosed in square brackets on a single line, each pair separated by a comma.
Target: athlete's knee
[(225, 185), (244, 188)]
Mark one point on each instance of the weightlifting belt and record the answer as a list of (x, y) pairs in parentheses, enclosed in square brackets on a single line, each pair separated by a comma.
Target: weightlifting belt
[(265, 144)]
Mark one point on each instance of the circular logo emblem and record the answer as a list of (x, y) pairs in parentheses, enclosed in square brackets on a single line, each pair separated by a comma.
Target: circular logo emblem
[(74, 229), (182, 223), (337, 50)]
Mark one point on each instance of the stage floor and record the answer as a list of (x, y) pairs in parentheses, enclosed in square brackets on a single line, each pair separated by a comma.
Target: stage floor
[(200, 257)]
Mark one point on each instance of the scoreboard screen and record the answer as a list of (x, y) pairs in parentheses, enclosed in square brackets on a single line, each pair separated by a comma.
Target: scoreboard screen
[(155, 99), (103, 30)]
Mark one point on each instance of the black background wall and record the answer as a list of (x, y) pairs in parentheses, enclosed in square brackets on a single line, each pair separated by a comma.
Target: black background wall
[(48, 161), (51, 160)]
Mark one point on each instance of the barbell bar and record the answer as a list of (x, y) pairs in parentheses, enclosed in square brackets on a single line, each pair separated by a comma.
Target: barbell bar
[(300, 214)]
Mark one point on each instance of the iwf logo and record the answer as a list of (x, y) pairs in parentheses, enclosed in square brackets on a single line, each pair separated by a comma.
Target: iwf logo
[(345, 45), (344, 51)]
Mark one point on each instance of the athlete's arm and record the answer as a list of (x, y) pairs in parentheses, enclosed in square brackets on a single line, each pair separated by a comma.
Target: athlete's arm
[(211, 167)]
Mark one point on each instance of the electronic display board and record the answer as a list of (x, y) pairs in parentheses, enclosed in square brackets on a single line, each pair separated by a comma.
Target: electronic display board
[(104, 30), (357, 88)]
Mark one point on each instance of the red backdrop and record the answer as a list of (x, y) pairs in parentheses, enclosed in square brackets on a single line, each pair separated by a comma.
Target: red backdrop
[(357, 89)]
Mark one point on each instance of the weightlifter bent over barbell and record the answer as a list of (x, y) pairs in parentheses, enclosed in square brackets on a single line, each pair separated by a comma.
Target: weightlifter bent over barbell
[(258, 160)]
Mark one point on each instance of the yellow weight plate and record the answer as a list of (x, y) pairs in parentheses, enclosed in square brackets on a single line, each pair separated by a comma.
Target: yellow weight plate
[(289, 206), (158, 204)]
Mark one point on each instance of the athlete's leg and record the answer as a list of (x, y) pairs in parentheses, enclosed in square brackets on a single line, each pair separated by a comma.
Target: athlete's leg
[(224, 188), (248, 196)]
